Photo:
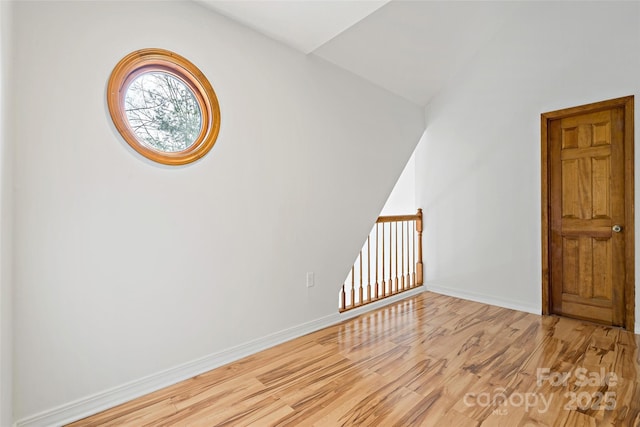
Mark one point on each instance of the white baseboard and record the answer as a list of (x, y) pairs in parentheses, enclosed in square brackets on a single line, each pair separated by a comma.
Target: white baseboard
[(485, 299), (98, 402), (491, 300)]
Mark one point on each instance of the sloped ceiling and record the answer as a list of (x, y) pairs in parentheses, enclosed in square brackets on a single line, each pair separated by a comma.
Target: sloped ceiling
[(409, 47), (304, 25)]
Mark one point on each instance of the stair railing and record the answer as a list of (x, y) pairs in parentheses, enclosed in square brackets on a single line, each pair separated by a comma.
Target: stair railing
[(390, 262)]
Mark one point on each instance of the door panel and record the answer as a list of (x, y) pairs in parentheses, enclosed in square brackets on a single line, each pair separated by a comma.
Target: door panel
[(586, 185)]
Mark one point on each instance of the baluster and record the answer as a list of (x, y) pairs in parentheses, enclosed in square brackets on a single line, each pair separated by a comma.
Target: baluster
[(413, 241), (408, 271), (396, 281), (408, 279), (383, 281), (375, 290), (369, 267), (343, 298), (353, 287), (419, 280), (360, 288), (402, 246), (390, 260)]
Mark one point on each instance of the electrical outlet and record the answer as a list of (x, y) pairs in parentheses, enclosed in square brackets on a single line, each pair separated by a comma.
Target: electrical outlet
[(310, 279)]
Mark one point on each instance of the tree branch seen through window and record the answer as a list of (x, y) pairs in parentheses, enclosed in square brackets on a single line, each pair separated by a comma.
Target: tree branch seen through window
[(163, 112)]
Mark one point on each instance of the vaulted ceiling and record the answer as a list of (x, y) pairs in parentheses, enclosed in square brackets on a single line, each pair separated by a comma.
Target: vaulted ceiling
[(409, 47)]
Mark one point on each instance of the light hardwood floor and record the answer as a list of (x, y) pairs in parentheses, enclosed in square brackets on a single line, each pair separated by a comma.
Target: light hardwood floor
[(429, 360)]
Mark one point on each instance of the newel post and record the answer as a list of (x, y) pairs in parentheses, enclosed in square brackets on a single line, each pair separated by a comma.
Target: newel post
[(419, 261)]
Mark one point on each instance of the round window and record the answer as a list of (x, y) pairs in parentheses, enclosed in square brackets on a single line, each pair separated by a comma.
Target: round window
[(163, 106)]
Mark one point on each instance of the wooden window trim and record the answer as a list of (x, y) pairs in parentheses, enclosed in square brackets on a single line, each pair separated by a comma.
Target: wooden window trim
[(148, 60)]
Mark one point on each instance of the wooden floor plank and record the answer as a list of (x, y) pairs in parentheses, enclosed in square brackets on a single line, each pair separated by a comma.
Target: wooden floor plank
[(429, 360)]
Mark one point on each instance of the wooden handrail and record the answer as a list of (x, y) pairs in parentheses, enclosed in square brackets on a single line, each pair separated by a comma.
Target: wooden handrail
[(396, 262), (399, 218)]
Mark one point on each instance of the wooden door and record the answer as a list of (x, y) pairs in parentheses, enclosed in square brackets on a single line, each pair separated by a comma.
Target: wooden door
[(588, 178)]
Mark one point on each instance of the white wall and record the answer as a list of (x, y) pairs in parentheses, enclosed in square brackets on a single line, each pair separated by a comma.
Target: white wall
[(478, 164), (124, 268), (402, 199), (6, 208)]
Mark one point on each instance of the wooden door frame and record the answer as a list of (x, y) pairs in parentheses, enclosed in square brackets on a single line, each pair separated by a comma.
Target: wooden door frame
[(629, 236)]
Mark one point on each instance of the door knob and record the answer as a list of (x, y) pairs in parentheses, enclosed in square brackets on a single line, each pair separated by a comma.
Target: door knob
[(616, 228)]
